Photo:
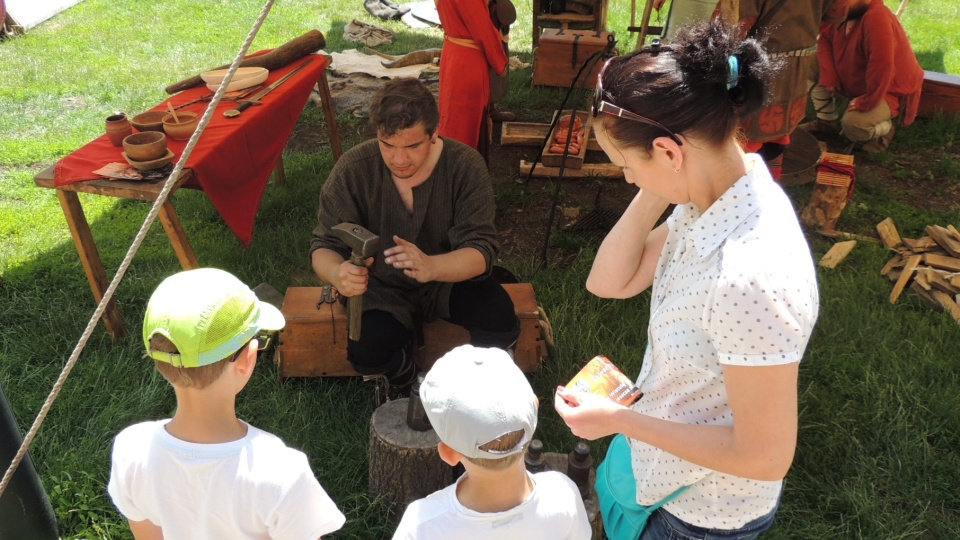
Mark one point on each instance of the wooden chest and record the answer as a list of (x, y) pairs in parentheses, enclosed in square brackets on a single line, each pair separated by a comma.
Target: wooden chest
[(563, 51), (314, 341), (940, 93)]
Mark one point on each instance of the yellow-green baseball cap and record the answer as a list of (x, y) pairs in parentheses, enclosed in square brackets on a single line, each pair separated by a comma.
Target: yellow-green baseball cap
[(207, 314)]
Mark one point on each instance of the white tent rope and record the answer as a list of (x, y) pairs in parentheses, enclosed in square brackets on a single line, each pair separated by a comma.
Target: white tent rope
[(128, 258)]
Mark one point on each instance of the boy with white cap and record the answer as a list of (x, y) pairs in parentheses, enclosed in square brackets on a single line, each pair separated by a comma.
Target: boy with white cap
[(205, 473), (485, 413)]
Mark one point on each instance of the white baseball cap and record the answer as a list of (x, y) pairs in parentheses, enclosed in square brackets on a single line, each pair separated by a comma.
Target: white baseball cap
[(474, 395)]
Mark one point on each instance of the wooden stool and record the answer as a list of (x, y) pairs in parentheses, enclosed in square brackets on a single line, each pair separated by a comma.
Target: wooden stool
[(404, 464)]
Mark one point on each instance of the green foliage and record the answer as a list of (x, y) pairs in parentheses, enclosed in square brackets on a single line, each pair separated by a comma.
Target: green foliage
[(879, 422)]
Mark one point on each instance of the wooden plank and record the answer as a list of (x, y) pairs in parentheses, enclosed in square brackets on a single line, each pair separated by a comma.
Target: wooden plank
[(888, 233), (896, 262), (847, 236), (920, 278), (904, 278), (925, 296), (921, 245), (940, 280), (950, 264), (948, 303), (837, 253), (606, 170), (944, 238), (533, 134)]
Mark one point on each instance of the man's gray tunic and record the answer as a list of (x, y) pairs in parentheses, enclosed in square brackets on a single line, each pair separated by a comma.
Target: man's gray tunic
[(454, 208)]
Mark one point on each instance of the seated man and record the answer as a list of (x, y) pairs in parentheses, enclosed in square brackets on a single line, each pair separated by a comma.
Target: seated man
[(430, 200), (868, 59)]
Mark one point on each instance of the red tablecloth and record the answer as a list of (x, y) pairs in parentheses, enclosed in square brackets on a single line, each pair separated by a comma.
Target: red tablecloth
[(234, 157)]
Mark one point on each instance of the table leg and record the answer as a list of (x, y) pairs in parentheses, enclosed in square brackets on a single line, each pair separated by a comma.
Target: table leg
[(330, 115), (90, 258), (178, 238)]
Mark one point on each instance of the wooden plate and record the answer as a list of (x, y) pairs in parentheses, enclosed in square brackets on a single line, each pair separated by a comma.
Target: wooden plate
[(152, 164)]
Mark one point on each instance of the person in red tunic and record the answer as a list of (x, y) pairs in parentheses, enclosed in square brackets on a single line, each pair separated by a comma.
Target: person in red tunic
[(868, 59), (471, 46)]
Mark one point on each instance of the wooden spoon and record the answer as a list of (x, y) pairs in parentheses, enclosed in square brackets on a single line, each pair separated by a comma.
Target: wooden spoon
[(173, 112)]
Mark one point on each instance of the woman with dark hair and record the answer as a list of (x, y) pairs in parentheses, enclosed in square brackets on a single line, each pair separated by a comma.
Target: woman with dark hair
[(734, 294)]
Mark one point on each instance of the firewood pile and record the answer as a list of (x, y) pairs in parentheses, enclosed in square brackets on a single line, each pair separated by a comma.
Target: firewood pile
[(928, 266)]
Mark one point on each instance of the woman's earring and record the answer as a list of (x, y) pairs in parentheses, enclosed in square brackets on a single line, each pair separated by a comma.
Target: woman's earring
[(676, 170)]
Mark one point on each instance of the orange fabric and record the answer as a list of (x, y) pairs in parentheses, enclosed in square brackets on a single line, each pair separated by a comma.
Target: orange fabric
[(464, 70), (234, 157)]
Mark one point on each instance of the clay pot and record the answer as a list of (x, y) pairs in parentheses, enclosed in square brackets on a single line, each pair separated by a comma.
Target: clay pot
[(183, 129), (117, 128), (145, 146)]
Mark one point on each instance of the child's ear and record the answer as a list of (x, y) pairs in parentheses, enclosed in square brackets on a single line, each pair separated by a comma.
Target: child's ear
[(449, 456), (248, 359)]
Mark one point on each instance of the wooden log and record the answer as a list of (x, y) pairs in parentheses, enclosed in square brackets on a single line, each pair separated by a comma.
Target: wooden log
[(404, 464), (888, 233), (904, 279), (290, 51), (837, 253), (830, 194)]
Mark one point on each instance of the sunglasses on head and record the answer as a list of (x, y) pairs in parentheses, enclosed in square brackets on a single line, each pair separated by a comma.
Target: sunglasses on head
[(601, 105)]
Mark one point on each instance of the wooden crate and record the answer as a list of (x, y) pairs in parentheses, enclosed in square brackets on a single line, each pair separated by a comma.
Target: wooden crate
[(533, 134), (940, 93), (314, 341), (573, 160), (562, 51)]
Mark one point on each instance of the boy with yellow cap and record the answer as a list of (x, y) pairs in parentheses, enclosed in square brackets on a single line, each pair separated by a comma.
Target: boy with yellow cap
[(205, 473)]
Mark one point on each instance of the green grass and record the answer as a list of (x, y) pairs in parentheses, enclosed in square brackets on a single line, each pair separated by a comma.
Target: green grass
[(880, 413)]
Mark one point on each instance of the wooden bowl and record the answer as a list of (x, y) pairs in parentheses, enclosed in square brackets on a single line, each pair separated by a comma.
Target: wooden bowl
[(240, 81), (182, 130), (216, 76), (149, 121), (145, 146), (151, 164)]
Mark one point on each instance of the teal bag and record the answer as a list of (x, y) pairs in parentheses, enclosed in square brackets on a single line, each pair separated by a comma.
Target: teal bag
[(623, 518)]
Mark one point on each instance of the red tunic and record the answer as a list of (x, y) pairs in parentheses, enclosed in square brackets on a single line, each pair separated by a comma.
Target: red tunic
[(873, 61), (464, 70)]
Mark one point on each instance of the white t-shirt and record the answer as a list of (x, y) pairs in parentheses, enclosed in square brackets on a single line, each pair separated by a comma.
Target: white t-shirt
[(733, 286), (554, 511), (252, 488)]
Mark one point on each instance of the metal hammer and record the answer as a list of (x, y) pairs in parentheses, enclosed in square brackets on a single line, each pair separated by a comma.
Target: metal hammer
[(362, 244)]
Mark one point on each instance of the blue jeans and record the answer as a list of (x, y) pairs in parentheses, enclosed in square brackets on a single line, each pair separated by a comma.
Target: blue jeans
[(663, 525)]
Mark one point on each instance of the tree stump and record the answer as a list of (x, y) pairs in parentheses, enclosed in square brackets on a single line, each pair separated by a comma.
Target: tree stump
[(404, 464), (555, 461)]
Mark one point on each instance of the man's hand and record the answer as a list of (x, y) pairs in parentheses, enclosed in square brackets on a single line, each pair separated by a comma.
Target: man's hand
[(588, 416), (352, 278), (854, 104), (408, 257)]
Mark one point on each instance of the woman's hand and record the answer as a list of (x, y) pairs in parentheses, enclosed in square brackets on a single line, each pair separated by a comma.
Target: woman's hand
[(588, 416)]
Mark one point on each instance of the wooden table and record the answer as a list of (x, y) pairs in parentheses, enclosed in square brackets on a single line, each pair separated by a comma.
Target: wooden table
[(150, 191), (83, 238)]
